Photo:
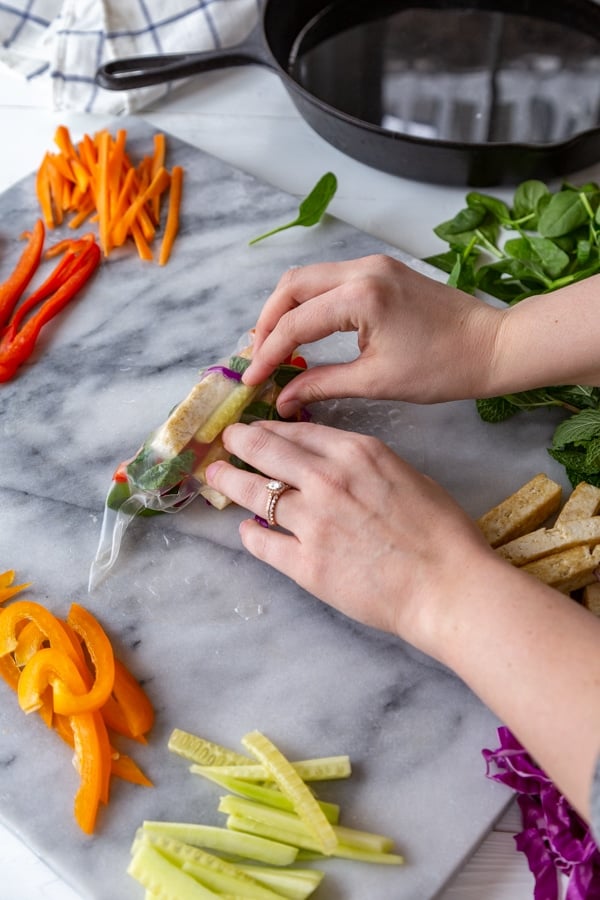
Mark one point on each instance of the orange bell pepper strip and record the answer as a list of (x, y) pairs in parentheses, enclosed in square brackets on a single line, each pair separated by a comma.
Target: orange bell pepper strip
[(121, 765), (128, 711), (21, 611), (92, 761), (90, 738), (100, 652), (125, 767), (49, 666), (26, 267), (7, 588), (9, 671), (31, 639)]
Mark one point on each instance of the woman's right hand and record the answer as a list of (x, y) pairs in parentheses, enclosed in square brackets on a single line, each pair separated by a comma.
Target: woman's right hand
[(418, 339)]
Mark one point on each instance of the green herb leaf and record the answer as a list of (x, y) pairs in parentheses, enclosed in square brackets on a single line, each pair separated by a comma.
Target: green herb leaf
[(558, 244), (526, 201), (238, 364), (574, 462), (578, 429), (284, 373), (496, 409), (259, 410), (161, 476), (564, 213), (311, 209), (497, 208)]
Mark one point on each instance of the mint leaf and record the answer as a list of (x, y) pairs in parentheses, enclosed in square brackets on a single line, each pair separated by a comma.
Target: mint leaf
[(311, 209), (496, 409), (161, 476), (238, 364), (285, 373), (578, 429), (592, 456)]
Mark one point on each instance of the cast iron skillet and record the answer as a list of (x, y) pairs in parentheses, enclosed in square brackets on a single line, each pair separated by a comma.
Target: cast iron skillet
[(461, 92)]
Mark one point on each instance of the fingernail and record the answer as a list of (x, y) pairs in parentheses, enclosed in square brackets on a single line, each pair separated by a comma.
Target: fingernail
[(286, 409), (213, 469), (248, 372)]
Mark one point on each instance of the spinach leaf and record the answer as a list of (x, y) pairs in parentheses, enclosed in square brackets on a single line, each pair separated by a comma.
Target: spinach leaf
[(498, 208), (565, 212), (527, 199), (311, 209)]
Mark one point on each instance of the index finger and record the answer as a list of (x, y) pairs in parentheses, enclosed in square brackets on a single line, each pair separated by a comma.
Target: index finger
[(288, 320)]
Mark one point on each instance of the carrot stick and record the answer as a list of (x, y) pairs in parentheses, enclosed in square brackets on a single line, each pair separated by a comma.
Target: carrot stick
[(96, 180), (62, 165), (86, 210), (172, 226), (44, 195), (56, 192), (62, 139), (142, 245), (102, 200), (158, 184), (116, 167), (158, 162)]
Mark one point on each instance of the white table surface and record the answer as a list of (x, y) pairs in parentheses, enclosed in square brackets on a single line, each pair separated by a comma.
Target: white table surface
[(245, 117)]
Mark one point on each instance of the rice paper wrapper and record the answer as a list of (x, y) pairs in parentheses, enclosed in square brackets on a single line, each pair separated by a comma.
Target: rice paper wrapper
[(169, 469)]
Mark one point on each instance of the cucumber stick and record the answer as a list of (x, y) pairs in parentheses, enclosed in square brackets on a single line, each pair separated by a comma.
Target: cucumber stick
[(327, 768), (229, 411), (293, 884), (161, 877), (224, 841), (268, 796), (307, 846), (290, 823), (294, 788), (255, 882), (205, 753)]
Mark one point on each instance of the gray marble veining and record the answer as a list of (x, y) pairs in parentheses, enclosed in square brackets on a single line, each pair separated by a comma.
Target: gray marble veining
[(179, 602)]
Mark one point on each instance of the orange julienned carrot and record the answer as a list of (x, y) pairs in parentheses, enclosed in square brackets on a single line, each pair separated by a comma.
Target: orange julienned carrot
[(172, 226)]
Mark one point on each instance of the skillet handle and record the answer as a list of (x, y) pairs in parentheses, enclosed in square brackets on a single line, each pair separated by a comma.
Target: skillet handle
[(143, 71)]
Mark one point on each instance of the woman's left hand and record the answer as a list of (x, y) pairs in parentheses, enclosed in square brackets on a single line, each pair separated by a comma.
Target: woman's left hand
[(364, 531)]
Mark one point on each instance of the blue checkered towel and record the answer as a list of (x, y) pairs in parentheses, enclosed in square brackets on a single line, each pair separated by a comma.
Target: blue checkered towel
[(66, 41)]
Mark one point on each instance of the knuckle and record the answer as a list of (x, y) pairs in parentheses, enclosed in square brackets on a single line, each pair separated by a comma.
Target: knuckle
[(289, 279), (361, 448)]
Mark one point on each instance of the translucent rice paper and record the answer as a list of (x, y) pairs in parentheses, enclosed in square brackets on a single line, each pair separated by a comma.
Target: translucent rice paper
[(168, 471)]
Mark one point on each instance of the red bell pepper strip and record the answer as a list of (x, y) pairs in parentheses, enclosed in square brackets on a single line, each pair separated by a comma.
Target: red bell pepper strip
[(66, 267), (13, 287), (16, 348)]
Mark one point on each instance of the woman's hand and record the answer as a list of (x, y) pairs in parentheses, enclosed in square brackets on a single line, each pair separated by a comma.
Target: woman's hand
[(418, 339), (388, 547), (365, 532)]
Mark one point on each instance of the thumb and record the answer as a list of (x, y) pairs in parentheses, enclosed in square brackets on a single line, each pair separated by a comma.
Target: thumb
[(325, 382)]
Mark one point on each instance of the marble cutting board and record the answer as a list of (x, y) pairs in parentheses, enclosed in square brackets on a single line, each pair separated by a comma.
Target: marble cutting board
[(223, 644)]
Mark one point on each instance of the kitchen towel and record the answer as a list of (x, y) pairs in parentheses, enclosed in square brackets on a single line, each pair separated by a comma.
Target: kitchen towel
[(67, 40)]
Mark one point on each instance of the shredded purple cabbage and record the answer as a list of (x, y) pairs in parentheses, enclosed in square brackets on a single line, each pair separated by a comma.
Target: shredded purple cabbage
[(224, 370), (555, 839)]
